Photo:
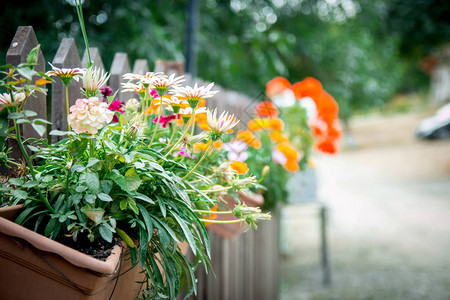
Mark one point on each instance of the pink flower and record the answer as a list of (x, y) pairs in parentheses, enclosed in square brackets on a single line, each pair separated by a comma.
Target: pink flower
[(89, 115), (185, 152), (278, 157), (164, 120), (236, 151), (154, 94), (116, 105)]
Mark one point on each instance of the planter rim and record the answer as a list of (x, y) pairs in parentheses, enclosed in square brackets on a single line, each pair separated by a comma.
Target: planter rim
[(107, 268)]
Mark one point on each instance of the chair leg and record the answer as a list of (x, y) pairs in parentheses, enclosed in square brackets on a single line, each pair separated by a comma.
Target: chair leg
[(324, 246)]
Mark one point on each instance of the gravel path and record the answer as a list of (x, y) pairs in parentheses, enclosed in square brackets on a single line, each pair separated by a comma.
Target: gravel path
[(389, 224)]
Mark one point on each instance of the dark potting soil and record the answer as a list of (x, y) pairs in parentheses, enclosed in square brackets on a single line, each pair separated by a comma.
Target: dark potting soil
[(99, 249)]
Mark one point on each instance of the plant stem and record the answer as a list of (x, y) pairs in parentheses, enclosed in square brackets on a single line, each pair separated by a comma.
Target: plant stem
[(83, 30), (172, 135), (212, 212), (199, 162), (222, 221), (144, 109), (67, 106), (30, 166), (179, 140), (91, 147), (157, 120)]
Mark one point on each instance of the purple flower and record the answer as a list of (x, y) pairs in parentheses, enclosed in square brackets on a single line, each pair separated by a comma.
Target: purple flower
[(236, 151), (106, 91)]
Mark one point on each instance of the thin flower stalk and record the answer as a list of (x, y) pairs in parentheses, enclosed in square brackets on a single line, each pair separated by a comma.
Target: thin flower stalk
[(199, 162), (219, 212), (157, 121), (222, 221)]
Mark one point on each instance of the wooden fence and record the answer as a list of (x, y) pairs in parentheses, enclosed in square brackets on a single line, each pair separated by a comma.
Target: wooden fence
[(247, 266)]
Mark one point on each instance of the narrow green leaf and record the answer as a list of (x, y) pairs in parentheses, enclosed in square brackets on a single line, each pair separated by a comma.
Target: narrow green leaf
[(186, 231), (147, 220)]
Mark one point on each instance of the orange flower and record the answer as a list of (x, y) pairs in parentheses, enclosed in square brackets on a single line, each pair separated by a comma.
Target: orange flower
[(277, 86), (217, 144), (291, 166), (211, 216), (309, 87), (327, 145), (240, 167), (260, 124), (278, 137), (249, 138), (326, 105), (201, 146), (289, 151), (266, 109)]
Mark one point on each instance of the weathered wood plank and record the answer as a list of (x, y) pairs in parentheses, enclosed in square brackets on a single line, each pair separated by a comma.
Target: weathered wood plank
[(24, 40), (120, 66), (95, 57), (169, 67), (66, 57), (140, 66)]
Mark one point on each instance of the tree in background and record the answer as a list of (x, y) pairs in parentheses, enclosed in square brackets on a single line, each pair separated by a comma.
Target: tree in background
[(357, 48)]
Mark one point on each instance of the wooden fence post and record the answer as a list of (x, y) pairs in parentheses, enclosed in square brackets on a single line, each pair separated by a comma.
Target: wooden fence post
[(95, 57), (169, 67), (22, 43), (140, 66), (119, 67), (66, 57)]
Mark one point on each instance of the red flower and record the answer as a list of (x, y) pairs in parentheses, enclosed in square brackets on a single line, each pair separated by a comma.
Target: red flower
[(165, 120)]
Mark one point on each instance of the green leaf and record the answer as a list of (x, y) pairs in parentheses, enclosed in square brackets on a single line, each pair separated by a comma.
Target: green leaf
[(123, 204), (23, 215), (58, 132), (76, 198), (104, 197), (132, 205), (27, 72), (32, 57), (40, 129), (92, 182), (15, 115), (80, 189), (143, 245), (41, 121), (30, 113), (186, 231), (89, 198), (106, 186), (147, 221), (92, 161), (78, 168), (19, 194), (30, 184), (94, 214), (144, 198), (129, 183), (78, 146), (50, 227), (106, 233), (23, 121), (16, 181)]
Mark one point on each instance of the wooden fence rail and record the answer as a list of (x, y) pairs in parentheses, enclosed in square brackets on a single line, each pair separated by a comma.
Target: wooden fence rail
[(247, 266)]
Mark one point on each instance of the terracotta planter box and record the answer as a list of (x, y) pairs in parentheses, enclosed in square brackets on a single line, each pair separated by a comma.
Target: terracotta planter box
[(35, 267), (229, 231)]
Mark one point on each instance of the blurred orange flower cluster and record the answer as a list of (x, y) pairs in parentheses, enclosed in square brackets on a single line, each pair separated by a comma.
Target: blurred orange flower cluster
[(325, 125)]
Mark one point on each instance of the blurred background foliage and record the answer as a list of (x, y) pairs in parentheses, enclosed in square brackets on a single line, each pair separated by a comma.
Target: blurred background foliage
[(363, 51)]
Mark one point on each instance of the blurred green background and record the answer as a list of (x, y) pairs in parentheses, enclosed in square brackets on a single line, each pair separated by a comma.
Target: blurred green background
[(363, 51)]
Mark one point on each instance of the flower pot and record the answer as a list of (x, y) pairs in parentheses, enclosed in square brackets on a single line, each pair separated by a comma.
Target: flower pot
[(229, 231), (36, 267)]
